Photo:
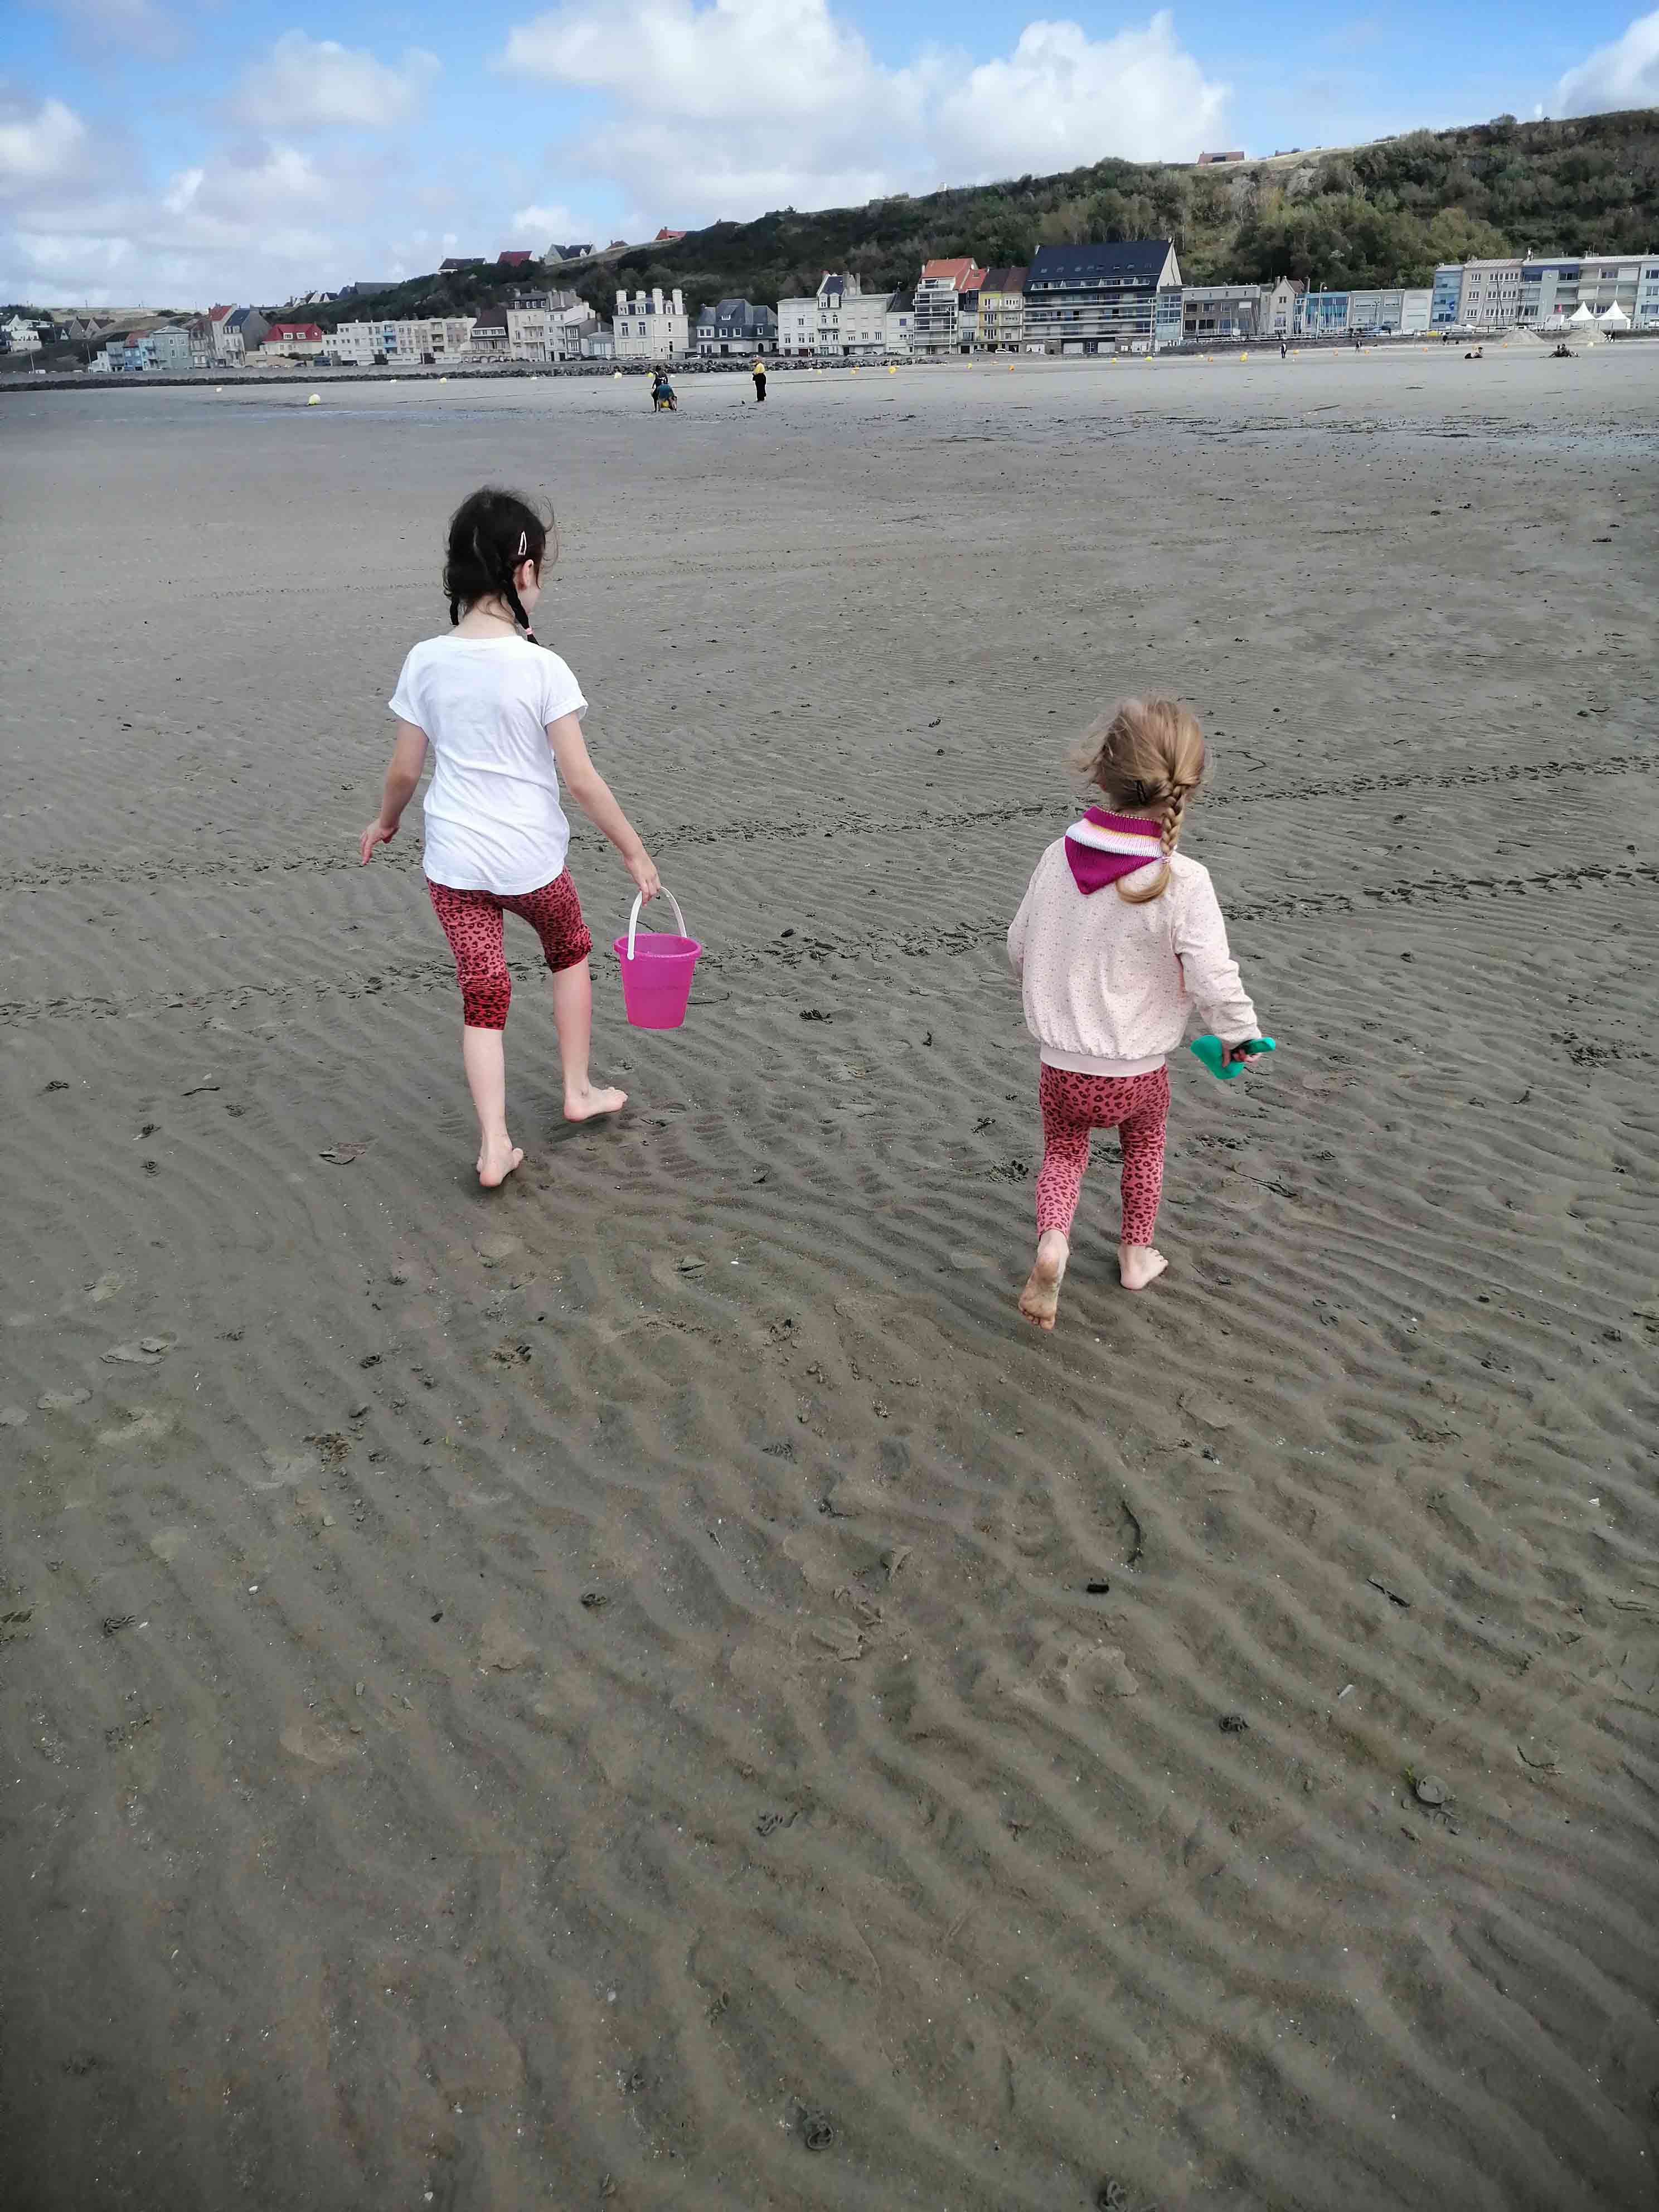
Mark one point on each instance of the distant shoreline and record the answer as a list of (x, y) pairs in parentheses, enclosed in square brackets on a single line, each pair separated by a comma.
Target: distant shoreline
[(501, 371)]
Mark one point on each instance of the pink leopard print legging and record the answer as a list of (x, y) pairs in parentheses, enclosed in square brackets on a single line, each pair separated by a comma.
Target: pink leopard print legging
[(1137, 1107), (472, 923)]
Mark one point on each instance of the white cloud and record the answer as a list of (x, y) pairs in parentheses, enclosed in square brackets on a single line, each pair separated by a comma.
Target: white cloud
[(305, 81), (40, 140), (1062, 99), (1625, 74), (254, 217), (547, 225), (738, 106)]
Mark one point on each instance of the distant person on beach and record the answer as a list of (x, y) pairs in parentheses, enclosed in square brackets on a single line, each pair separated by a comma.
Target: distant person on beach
[(1118, 940), (1284, 348), (662, 393), (758, 372), (503, 717)]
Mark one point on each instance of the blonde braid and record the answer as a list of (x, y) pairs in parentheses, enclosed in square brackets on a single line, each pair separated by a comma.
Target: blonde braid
[(1177, 807), (1172, 798)]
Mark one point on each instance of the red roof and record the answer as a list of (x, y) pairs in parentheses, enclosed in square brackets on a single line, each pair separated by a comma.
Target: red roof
[(219, 313), (966, 275), (513, 260), (294, 331), (669, 235)]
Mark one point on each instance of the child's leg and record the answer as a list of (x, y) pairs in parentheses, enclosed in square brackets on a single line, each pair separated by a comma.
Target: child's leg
[(483, 1055), (1066, 1119), (556, 915), (473, 923), (1140, 1134)]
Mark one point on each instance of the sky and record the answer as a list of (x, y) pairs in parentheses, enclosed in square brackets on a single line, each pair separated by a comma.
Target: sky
[(178, 152)]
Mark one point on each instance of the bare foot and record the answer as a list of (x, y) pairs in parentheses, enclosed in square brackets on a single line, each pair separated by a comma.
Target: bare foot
[(1138, 1265), (595, 1098), (1040, 1300), (497, 1163)]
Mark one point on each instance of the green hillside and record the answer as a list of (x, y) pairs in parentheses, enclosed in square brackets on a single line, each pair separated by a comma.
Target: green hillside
[(1379, 213)]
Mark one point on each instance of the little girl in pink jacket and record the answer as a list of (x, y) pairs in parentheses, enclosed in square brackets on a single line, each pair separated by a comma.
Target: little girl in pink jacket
[(1117, 942)]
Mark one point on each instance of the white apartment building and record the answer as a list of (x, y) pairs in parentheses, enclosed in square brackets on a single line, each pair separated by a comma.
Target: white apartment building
[(798, 327), (21, 336), (851, 323), (1543, 290), (1490, 299), (937, 329), (652, 327), (545, 327), (1562, 284), (404, 344)]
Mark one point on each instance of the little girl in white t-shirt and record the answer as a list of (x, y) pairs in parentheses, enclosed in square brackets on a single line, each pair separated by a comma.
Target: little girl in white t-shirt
[(503, 718)]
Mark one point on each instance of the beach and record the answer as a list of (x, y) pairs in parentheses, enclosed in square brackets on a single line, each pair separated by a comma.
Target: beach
[(654, 1687)]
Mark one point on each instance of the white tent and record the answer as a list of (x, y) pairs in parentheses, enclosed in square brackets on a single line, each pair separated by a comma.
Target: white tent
[(1582, 313), (1614, 318)]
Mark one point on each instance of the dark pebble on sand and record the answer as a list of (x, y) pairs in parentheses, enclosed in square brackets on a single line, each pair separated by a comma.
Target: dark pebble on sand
[(595, 1601), (1232, 1724), (816, 2131)]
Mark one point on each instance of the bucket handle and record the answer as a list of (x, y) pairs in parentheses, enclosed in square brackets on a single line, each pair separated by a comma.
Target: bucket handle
[(633, 916)]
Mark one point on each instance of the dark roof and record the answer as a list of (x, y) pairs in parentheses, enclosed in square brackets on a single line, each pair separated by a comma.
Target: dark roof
[(902, 303), (1129, 260), (1005, 280)]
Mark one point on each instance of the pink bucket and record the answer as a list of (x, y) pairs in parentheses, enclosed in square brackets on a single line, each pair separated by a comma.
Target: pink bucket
[(657, 971)]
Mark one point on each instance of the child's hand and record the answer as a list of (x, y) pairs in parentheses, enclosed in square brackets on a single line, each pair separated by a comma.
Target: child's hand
[(376, 833), (643, 869)]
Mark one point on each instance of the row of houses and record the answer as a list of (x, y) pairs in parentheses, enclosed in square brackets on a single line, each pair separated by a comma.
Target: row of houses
[(1070, 300), (1546, 292)]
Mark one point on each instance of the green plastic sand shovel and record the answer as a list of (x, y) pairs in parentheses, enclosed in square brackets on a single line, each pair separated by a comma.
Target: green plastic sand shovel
[(1213, 1053)]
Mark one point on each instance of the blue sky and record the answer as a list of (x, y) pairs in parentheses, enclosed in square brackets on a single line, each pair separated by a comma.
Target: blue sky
[(185, 150)]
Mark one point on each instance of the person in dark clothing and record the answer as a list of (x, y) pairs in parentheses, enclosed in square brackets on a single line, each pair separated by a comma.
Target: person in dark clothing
[(758, 372)]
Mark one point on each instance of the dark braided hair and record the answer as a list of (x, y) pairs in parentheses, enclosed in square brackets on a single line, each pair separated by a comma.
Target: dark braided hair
[(492, 535)]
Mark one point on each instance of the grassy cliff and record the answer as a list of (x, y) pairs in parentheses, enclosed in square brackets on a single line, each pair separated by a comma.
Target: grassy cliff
[(1379, 213)]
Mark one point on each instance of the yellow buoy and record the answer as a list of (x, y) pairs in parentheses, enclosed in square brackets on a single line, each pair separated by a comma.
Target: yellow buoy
[(892, 372), (616, 371), (855, 372), (315, 400)]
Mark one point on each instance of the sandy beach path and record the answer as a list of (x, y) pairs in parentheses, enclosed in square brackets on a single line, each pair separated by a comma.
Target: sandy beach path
[(653, 1688)]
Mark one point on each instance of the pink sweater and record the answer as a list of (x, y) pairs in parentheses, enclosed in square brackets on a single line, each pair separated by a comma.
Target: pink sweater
[(1108, 986)]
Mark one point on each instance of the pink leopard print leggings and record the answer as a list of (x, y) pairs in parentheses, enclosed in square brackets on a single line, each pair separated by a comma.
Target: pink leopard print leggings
[(1137, 1107), (472, 923)]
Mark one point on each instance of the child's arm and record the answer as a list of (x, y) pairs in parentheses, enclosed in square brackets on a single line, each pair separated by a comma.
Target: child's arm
[(403, 773), (1210, 972), (593, 795)]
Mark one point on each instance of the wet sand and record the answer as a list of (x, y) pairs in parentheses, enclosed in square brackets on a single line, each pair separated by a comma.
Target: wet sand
[(654, 1687)]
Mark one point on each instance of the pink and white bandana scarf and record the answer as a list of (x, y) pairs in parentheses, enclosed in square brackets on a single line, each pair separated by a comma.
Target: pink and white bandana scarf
[(1104, 847)]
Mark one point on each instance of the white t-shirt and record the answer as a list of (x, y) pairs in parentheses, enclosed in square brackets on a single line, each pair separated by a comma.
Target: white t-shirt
[(492, 819)]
